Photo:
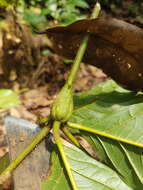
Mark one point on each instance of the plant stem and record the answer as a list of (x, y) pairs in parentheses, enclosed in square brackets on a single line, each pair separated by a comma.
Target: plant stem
[(78, 60), (44, 131), (102, 133), (43, 121), (81, 50), (56, 129), (70, 136), (96, 11)]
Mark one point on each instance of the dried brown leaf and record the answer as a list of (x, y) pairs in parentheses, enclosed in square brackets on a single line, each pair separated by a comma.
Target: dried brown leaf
[(115, 46)]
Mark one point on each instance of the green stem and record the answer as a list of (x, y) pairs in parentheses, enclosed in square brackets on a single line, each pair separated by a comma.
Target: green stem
[(56, 129), (102, 133), (43, 121), (70, 136), (96, 11), (81, 50), (78, 60), (44, 131)]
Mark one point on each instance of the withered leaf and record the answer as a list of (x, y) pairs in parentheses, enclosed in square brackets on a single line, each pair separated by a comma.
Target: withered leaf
[(115, 46)]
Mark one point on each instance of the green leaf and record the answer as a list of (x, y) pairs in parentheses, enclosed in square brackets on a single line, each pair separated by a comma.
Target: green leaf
[(47, 52), (34, 19), (8, 99), (89, 174), (135, 157), (118, 160), (56, 177), (51, 5), (6, 3), (82, 4), (96, 145), (111, 111), (4, 162)]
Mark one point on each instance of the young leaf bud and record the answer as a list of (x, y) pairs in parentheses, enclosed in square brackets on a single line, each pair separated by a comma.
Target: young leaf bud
[(63, 105)]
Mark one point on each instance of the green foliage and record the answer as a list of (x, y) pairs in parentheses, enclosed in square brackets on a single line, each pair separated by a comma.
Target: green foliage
[(47, 52), (135, 9), (112, 112), (8, 99), (111, 115), (56, 178), (63, 11), (34, 19), (7, 3), (116, 158), (106, 115), (89, 173)]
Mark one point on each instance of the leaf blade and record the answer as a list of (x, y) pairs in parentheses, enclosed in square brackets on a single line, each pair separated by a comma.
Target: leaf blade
[(56, 176), (113, 112), (135, 157), (92, 174), (83, 168)]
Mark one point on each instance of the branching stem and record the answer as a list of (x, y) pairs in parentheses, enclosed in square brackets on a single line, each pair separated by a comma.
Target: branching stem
[(56, 130), (56, 127), (44, 131), (82, 49), (70, 136)]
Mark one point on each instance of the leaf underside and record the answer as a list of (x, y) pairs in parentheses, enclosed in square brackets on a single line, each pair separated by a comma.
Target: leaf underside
[(89, 174), (113, 114), (111, 111), (125, 159), (56, 177)]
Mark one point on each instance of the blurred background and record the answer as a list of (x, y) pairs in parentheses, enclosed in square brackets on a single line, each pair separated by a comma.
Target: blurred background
[(31, 71), (26, 60)]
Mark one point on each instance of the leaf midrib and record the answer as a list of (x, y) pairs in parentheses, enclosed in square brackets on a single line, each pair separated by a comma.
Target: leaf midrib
[(89, 177)]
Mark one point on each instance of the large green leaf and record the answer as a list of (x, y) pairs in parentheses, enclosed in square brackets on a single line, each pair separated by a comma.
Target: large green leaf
[(89, 174), (111, 111), (118, 160), (8, 98)]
